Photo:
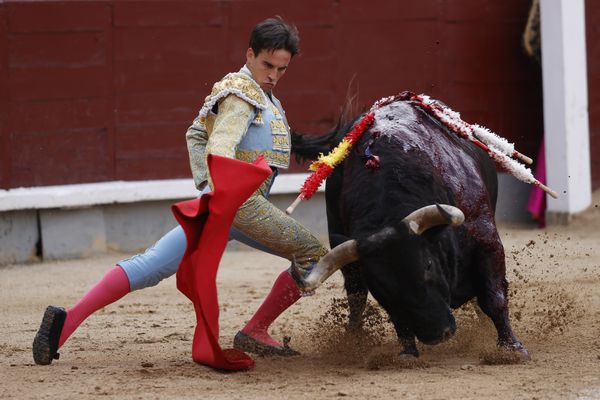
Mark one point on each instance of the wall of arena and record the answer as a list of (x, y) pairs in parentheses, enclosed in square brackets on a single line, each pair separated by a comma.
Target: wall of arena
[(96, 91), (104, 90)]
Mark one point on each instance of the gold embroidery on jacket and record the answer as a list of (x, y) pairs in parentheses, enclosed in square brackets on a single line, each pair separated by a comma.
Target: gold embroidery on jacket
[(258, 119), (279, 132), (276, 111), (278, 127), (238, 84), (281, 143), (274, 158)]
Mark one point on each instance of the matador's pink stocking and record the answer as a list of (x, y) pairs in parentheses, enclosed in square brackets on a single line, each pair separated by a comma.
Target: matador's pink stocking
[(283, 294), (111, 288)]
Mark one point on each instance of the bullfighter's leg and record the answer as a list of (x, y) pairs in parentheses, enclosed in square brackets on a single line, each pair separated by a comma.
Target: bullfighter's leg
[(141, 271), (264, 223), (493, 296), (144, 270)]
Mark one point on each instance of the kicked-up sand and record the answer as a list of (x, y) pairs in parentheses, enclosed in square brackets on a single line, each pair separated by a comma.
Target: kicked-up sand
[(140, 346)]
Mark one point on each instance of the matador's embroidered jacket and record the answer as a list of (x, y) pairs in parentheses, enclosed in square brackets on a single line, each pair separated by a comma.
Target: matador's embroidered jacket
[(245, 121), (239, 120)]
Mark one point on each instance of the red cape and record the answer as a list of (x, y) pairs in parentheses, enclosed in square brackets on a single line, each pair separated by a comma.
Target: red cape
[(206, 222)]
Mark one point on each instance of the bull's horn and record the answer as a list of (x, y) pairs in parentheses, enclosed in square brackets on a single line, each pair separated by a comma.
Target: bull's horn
[(339, 256), (427, 217)]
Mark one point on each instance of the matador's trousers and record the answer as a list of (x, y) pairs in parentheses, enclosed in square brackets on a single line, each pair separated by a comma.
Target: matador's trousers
[(258, 223)]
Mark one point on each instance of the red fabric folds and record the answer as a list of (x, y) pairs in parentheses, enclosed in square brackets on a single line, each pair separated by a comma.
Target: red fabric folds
[(206, 222)]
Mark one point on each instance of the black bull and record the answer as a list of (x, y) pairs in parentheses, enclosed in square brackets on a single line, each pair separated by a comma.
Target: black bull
[(417, 278)]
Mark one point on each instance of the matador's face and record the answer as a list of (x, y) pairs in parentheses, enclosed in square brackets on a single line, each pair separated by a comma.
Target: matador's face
[(268, 66)]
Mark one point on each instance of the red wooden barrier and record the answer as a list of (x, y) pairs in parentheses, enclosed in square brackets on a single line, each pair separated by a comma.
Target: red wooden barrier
[(5, 168), (104, 90), (592, 10)]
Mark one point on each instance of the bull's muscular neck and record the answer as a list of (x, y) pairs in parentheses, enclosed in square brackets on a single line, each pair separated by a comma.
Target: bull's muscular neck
[(421, 163)]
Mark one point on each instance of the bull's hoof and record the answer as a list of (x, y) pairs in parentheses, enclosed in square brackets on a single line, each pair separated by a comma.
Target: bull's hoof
[(379, 360), (506, 354), (409, 347), (45, 343), (247, 343), (410, 352), (355, 328), (517, 348)]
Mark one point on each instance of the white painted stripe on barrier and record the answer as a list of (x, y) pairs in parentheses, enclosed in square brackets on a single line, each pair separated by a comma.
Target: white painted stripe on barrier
[(113, 192)]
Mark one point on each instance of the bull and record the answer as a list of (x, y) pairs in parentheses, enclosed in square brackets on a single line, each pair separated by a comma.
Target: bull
[(415, 228)]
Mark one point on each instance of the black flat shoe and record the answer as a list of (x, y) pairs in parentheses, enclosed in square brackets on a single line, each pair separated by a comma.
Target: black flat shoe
[(45, 343), (248, 344)]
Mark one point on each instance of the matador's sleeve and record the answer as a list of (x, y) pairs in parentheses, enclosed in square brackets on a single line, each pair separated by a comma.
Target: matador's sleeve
[(196, 138), (231, 123), (224, 111)]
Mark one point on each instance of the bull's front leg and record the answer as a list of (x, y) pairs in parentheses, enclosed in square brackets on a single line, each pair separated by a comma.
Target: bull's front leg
[(355, 285), (492, 296), (406, 338), (356, 290)]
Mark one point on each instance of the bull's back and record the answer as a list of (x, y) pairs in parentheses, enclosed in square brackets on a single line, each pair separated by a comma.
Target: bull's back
[(421, 163)]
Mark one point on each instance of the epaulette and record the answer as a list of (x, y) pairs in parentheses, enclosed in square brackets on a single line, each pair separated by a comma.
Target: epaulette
[(239, 84)]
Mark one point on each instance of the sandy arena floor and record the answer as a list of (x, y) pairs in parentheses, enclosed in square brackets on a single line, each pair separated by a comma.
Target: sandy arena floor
[(139, 347)]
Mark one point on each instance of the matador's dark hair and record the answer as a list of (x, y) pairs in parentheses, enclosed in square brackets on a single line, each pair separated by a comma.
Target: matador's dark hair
[(275, 34)]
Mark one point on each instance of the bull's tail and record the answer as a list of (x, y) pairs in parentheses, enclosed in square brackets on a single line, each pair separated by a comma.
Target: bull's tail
[(308, 147)]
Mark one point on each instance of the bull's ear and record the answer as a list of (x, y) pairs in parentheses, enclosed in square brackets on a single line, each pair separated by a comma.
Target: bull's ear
[(427, 217)]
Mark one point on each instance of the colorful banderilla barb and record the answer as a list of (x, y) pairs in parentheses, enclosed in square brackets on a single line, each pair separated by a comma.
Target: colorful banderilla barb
[(325, 164), (498, 148)]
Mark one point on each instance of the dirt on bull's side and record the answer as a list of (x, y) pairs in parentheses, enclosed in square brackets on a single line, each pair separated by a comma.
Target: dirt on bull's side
[(139, 347)]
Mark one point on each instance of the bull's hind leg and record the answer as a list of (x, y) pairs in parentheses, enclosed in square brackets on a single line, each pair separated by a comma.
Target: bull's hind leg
[(492, 297)]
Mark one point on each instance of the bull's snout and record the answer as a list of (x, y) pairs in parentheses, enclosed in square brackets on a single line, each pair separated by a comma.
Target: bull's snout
[(433, 336), (445, 335)]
